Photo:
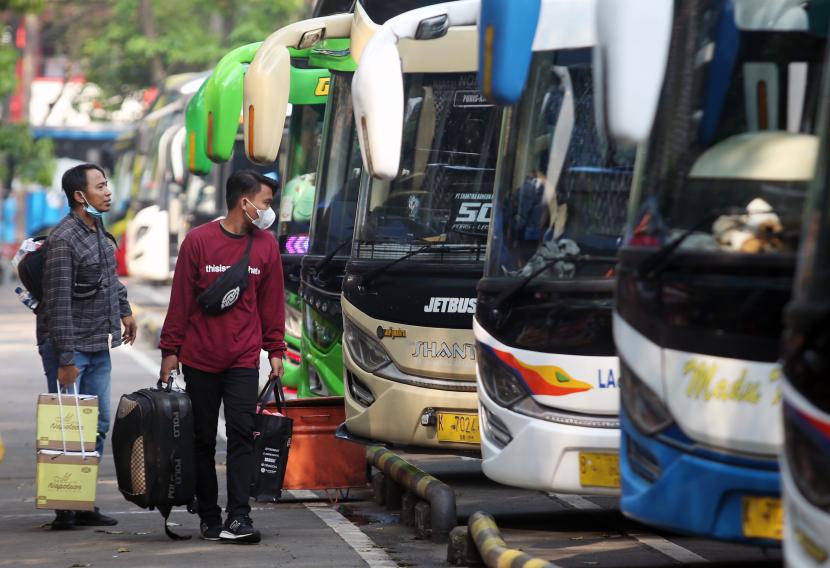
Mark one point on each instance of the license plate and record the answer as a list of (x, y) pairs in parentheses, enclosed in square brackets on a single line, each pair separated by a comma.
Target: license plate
[(599, 470), (458, 427), (763, 517)]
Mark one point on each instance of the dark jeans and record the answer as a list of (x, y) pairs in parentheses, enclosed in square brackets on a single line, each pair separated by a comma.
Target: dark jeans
[(237, 388)]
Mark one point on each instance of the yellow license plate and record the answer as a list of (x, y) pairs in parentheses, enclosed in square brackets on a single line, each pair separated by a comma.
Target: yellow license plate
[(458, 427), (599, 470), (763, 517)]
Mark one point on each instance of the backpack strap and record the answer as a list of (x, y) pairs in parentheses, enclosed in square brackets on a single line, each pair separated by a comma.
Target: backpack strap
[(165, 512)]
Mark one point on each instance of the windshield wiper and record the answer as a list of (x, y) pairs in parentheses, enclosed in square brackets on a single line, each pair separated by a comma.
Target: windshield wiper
[(326, 260), (508, 293), (370, 276)]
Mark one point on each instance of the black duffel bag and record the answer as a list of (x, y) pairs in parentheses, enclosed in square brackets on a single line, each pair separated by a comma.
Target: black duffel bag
[(272, 440)]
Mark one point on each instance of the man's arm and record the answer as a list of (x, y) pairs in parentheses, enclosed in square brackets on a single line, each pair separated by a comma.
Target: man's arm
[(271, 307), (58, 279), (123, 302)]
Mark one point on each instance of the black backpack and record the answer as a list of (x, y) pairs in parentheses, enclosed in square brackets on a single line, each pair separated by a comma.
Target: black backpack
[(30, 270), (152, 446)]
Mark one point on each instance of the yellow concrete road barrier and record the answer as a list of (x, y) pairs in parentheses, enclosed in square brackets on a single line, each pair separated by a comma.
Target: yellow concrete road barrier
[(493, 550)]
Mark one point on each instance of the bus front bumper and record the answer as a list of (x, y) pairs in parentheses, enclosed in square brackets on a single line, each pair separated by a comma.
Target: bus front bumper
[(555, 469), (806, 529), (667, 487), (395, 416)]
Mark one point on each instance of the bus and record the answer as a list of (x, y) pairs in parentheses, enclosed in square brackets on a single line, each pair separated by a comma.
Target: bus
[(429, 144), (723, 96), (805, 461), (548, 375)]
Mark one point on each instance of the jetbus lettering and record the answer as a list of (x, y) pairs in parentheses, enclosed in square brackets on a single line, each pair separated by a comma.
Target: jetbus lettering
[(611, 383), (451, 306), (703, 386)]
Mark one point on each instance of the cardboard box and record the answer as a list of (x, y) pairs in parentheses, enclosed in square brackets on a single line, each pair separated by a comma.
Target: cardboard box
[(66, 480), (49, 422)]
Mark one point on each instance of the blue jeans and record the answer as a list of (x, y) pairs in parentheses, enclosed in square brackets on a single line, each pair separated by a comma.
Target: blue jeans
[(94, 378)]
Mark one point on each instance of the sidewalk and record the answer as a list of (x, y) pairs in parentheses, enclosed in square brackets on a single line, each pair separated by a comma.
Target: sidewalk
[(294, 534)]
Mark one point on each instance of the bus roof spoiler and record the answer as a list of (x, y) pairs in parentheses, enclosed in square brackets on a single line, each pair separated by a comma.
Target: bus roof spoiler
[(630, 64), (223, 101), (268, 82), (377, 86)]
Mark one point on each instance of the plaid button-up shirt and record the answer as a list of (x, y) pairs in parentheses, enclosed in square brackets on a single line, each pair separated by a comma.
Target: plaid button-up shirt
[(84, 300)]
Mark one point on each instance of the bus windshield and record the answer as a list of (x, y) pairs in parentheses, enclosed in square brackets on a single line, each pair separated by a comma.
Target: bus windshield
[(562, 190), (444, 191), (297, 200), (338, 178), (733, 146)]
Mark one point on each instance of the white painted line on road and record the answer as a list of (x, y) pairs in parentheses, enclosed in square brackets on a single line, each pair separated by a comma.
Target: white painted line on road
[(151, 366), (576, 501), (302, 494), (371, 553), (670, 549), (658, 543)]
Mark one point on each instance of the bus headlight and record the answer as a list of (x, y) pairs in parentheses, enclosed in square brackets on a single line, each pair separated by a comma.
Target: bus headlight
[(807, 458), (320, 331), (504, 387), (365, 350), (642, 405), (293, 322)]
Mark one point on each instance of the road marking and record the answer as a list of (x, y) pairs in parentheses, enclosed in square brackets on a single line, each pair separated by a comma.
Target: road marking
[(668, 548), (658, 543), (371, 553), (151, 366)]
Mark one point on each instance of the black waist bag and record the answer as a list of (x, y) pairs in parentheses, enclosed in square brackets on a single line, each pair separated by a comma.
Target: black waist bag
[(226, 290), (152, 446)]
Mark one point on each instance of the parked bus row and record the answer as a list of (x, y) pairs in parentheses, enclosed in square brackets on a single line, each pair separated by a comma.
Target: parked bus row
[(596, 254)]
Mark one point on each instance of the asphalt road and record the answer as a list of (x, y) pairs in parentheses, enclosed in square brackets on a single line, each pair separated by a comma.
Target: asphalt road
[(568, 530)]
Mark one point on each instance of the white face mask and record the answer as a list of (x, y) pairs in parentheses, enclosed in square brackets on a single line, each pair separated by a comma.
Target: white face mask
[(265, 218)]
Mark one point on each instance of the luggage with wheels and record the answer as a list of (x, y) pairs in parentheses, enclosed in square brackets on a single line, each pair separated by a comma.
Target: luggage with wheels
[(152, 445)]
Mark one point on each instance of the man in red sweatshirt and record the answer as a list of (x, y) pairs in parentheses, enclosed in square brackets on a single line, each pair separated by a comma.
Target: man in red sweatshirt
[(220, 353)]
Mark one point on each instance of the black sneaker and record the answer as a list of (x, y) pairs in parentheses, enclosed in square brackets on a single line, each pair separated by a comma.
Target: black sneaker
[(240, 530), (93, 519), (64, 520), (209, 530)]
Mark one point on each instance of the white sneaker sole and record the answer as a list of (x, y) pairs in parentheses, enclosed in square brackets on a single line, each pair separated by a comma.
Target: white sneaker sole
[(251, 538)]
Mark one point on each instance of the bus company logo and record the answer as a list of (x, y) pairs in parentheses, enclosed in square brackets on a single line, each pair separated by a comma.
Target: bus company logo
[(543, 380), (705, 385), (230, 298), (443, 350), (451, 306), (323, 87), (465, 99), (390, 332)]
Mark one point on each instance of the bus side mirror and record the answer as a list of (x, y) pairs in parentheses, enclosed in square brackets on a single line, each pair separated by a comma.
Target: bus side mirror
[(506, 30), (268, 82), (377, 86), (223, 101), (630, 64), (377, 96), (196, 122)]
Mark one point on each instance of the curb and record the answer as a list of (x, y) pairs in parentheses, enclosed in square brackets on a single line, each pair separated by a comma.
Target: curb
[(439, 495), (494, 551)]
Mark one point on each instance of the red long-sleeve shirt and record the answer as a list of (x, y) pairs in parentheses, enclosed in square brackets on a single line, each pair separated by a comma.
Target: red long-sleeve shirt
[(257, 321)]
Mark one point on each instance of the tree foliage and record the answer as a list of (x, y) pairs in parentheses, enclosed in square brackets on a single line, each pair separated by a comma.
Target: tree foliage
[(32, 160), (110, 39)]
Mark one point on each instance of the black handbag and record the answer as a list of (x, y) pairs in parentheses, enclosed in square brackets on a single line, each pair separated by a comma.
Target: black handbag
[(272, 441), (226, 290)]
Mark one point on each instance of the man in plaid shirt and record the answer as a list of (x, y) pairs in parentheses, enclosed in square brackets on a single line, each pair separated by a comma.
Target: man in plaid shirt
[(85, 305)]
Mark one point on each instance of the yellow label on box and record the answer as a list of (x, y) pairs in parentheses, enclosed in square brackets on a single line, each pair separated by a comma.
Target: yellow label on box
[(66, 481), (49, 429)]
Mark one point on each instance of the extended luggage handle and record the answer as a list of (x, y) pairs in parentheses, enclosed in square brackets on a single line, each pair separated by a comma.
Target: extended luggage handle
[(171, 379), (78, 412), (269, 388)]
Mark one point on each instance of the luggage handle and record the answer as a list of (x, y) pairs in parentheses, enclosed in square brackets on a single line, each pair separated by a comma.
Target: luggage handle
[(168, 386), (279, 395), (78, 412)]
